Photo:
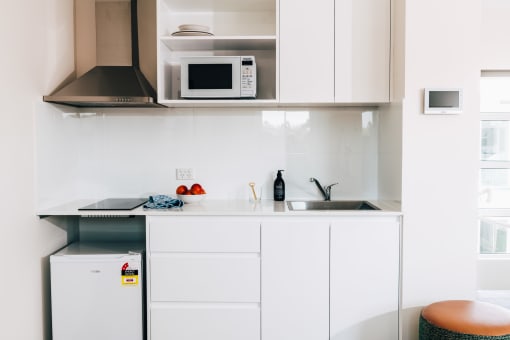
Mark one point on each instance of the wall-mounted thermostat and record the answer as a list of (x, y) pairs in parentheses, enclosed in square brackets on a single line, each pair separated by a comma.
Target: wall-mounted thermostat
[(442, 101)]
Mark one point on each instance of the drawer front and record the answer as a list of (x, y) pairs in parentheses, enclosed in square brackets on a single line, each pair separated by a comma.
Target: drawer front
[(205, 277), (203, 235), (206, 322)]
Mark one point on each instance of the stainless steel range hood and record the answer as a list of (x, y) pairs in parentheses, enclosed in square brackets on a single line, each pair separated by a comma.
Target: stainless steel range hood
[(110, 84)]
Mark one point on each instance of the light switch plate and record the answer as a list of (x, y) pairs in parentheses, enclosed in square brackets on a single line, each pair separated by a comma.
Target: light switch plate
[(184, 173)]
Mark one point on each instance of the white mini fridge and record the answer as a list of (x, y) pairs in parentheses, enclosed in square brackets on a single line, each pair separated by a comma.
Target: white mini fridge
[(97, 292)]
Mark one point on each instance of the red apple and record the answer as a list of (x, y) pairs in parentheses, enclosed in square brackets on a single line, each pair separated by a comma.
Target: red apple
[(196, 189), (181, 190)]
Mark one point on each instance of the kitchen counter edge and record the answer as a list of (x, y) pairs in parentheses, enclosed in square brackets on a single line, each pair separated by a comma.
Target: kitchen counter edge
[(219, 208)]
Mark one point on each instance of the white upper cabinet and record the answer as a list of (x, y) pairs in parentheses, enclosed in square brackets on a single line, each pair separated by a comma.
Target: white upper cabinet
[(331, 51), (334, 51), (495, 55), (306, 42), (245, 27), (362, 51)]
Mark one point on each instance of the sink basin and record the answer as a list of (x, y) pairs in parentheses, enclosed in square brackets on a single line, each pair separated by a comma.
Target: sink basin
[(331, 205)]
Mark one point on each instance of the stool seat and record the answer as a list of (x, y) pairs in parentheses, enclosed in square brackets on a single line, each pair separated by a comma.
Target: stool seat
[(468, 317)]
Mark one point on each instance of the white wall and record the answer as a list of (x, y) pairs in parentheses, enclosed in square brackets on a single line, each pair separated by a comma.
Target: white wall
[(494, 35), (390, 117), (30, 33), (390, 152), (440, 156)]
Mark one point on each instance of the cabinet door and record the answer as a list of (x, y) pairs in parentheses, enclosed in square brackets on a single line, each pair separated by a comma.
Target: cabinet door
[(364, 279), (205, 277), (206, 322), (306, 41), (362, 51), (295, 273), (195, 234)]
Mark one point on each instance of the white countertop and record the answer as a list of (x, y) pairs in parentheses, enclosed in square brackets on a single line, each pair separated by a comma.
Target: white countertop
[(219, 208)]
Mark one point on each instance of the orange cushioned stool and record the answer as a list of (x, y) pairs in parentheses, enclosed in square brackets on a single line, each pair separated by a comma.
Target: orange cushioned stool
[(464, 320)]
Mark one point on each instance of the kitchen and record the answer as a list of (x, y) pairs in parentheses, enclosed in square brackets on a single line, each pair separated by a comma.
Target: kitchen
[(419, 142)]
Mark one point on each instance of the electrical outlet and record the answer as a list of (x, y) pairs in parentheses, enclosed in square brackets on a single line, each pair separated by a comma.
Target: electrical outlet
[(184, 173)]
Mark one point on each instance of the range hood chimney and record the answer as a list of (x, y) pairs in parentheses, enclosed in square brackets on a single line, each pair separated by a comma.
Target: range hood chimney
[(114, 84)]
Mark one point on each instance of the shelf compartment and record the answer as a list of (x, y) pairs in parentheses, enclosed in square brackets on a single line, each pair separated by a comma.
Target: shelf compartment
[(245, 27)]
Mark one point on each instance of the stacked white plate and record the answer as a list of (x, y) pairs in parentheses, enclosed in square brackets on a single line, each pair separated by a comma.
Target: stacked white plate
[(192, 29)]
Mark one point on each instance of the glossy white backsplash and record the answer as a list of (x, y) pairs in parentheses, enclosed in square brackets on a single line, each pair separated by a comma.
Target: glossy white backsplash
[(135, 152)]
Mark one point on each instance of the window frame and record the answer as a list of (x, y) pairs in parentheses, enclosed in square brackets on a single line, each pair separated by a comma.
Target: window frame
[(492, 214)]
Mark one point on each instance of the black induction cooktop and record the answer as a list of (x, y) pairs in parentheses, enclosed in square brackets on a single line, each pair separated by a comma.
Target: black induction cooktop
[(115, 204)]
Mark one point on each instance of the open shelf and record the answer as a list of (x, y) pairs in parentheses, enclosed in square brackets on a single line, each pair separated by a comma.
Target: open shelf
[(214, 43), (220, 5), (218, 102)]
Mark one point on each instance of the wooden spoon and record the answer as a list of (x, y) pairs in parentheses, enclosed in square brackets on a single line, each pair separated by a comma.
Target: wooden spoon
[(252, 185)]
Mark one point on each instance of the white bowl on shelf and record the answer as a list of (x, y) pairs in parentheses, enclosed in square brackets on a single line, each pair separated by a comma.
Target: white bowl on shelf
[(193, 27), (191, 198)]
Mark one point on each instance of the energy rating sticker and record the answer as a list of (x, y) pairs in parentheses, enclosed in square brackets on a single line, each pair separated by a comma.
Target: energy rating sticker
[(129, 275)]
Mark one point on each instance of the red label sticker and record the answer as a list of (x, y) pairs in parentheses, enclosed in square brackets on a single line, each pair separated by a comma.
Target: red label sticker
[(129, 276)]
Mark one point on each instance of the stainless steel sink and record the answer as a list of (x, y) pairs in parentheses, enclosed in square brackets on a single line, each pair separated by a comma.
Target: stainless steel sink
[(330, 205)]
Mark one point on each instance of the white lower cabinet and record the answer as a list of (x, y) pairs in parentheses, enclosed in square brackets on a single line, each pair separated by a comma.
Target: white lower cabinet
[(204, 278), (335, 278), (295, 279), (211, 322), (272, 278), (364, 279)]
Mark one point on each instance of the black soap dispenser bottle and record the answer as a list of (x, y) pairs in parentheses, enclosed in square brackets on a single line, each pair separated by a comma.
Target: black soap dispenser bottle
[(279, 187)]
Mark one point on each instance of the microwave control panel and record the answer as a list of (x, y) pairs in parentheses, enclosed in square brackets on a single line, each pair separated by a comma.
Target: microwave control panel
[(248, 77)]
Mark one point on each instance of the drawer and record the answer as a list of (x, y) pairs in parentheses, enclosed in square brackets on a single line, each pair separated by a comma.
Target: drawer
[(203, 235), (205, 322), (205, 277)]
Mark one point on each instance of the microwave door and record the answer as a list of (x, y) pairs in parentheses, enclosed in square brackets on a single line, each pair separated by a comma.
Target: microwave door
[(210, 77)]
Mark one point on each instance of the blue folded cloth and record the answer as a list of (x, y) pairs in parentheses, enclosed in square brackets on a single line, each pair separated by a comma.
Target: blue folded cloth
[(163, 202)]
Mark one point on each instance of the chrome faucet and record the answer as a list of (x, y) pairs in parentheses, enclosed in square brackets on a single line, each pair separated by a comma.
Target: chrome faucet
[(325, 191)]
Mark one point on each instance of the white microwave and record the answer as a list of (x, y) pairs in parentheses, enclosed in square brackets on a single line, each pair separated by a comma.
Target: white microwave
[(218, 77)]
